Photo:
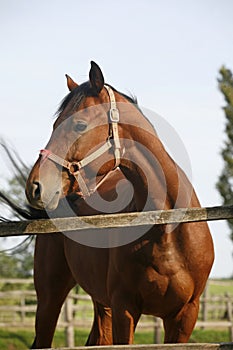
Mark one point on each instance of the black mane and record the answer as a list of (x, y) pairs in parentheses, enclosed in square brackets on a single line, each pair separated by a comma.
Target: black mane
[(78, 94), (85, 90)]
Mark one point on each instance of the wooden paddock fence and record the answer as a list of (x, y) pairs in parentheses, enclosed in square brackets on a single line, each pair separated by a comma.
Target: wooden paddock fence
[(18, 307)]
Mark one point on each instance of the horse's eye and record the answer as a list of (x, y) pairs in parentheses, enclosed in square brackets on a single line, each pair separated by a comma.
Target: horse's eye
[(80, 126)]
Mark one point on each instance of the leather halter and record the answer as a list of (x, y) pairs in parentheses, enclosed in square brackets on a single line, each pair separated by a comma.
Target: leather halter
[(75, 167)]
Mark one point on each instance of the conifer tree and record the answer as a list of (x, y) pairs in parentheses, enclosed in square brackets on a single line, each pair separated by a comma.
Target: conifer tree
[(225, 181)]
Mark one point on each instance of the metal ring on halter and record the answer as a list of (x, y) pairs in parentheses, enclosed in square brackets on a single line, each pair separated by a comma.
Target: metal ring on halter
[(76, 168)]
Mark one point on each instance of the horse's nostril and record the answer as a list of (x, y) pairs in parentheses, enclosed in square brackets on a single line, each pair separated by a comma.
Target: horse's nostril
[(36, 190)]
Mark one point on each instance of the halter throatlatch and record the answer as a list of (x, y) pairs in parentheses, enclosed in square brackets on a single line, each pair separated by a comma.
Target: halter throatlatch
[(75, 167), (114, 117)]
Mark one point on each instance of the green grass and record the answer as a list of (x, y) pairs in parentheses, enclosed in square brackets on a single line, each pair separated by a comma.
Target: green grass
[(210, 336), (15, 339), (220, 287), (22, 339), (19, 339)]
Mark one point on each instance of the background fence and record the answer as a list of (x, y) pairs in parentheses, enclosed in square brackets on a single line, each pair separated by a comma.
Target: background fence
[(18, 306)]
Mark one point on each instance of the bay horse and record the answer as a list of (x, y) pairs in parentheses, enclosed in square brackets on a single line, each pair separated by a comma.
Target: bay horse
[(101, 136)]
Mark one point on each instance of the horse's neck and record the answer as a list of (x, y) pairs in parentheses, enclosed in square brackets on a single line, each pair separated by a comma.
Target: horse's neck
[(157, 179)]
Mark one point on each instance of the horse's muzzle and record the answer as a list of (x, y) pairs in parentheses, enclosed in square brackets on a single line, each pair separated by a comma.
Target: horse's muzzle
[(39, 198)]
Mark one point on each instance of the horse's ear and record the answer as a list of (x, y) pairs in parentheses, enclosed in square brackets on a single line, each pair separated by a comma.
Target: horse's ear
[(96, 77), (70, 83)]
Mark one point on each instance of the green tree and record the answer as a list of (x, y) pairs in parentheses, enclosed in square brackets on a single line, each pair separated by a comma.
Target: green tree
[(18, 265), (225, 181)]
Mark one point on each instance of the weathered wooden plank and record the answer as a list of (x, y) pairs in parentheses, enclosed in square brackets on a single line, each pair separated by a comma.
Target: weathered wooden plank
[(201, 346), (17, 280), (157, 217)]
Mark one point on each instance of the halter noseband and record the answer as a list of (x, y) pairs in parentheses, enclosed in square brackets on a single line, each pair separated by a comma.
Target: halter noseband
[(75, 167)]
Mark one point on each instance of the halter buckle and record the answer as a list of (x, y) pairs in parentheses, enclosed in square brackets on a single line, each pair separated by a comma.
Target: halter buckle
[(114, 115)]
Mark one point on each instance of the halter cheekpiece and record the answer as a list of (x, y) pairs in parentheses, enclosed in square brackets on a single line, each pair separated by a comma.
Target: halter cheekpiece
[(112, 142)]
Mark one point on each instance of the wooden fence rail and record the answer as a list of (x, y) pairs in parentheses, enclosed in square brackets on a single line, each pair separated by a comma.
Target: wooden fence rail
[(226, 346), (157, 217)]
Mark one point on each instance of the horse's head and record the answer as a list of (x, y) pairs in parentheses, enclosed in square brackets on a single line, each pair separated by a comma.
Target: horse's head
[(84, 145)]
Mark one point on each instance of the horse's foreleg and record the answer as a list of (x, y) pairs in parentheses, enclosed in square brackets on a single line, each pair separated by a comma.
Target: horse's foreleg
[(125, 316), (178, 329), (101, 332), (53, 281)]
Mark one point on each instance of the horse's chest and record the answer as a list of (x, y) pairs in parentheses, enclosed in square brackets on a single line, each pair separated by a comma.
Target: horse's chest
[(166, 260), (158, 274), (163, 259), (163, 280), (163, 294)]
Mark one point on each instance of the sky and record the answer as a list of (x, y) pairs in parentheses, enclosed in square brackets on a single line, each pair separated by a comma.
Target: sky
[(166, 52)]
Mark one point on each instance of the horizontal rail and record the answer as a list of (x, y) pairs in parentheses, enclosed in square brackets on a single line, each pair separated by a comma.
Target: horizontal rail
[(157, 217), (226, 346), (16, 280)]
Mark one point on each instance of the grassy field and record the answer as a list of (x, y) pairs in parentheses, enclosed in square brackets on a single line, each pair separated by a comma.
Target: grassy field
[(22, 340)]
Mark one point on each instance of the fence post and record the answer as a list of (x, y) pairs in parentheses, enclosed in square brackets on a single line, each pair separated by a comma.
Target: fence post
[(204, 303), (158, 330), (229, 315), (69, 329), (22, 304)]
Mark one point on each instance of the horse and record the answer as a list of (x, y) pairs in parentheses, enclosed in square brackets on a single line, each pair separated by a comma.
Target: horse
[(161, 270)]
